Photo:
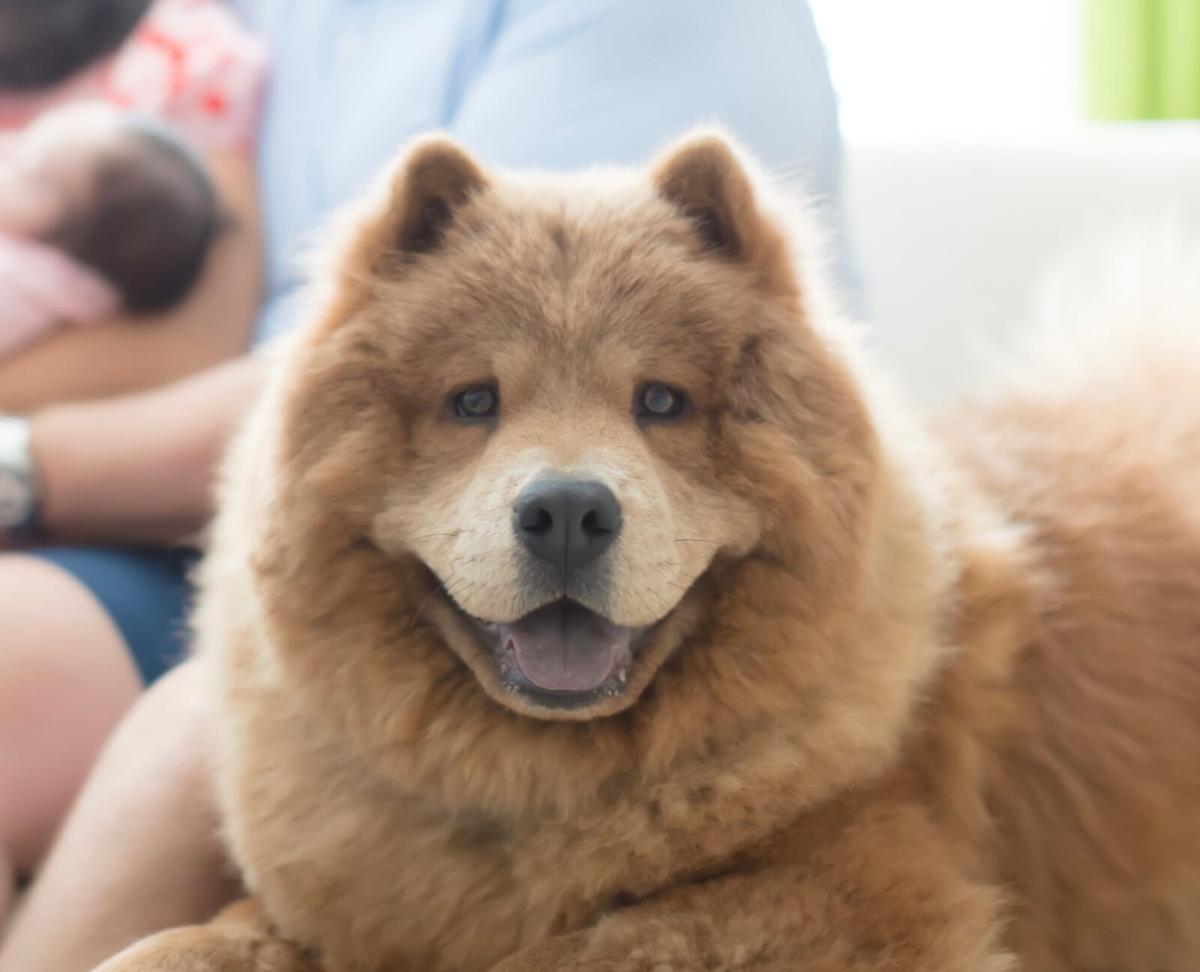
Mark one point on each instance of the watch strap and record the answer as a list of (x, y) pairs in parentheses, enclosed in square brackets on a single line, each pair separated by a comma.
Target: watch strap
[(20, 519)]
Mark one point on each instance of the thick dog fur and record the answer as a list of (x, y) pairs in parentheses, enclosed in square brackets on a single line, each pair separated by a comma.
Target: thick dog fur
[(913, 698)]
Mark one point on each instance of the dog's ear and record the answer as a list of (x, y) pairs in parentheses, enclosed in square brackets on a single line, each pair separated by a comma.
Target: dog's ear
[(706, 179), (410, 211), (407, 214), (433, 180)]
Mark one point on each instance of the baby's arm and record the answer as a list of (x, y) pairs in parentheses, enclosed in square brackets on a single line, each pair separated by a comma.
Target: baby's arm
[(41, 290)]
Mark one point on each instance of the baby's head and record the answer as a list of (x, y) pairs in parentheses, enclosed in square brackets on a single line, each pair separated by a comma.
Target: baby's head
[(121, 195)]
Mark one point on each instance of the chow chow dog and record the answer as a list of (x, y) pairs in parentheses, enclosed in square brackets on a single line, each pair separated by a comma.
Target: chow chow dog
[(581, 599)]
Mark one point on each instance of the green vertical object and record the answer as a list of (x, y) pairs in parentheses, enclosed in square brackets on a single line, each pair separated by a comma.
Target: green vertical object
[(1118, 56), (1178, 32)]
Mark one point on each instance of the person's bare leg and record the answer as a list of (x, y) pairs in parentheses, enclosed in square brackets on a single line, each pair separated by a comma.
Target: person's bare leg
[(139, 851), (65, 680)]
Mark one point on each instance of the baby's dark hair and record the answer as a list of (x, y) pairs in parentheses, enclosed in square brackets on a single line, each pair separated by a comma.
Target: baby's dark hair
[(148, 218), (43, 42)]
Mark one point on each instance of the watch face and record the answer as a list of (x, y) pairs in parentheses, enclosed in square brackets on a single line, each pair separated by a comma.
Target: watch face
[(14, 500)]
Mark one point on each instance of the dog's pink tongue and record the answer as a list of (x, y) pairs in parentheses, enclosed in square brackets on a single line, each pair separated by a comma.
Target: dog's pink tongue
[(567, 648)]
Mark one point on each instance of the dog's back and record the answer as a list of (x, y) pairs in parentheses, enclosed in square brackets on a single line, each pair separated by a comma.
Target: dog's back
[(1093, 772)]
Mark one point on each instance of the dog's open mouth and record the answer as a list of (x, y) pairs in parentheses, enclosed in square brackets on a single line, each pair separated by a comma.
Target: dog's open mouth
[(562, 655)]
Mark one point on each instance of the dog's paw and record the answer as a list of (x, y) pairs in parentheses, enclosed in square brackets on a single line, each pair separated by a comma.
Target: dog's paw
[(207, 949), (576, 954)]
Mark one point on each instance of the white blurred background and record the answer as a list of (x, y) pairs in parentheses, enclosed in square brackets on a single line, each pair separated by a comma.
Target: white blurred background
[(903, 66), (971, 170)]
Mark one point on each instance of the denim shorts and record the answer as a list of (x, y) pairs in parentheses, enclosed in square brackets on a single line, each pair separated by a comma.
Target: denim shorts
[(145, 590)]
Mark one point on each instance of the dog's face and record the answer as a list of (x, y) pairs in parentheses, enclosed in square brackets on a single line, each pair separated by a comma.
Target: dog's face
[(547, 391), (563, 485)]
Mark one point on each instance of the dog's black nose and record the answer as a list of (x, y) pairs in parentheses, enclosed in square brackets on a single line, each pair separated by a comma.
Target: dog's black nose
[(567, 522)]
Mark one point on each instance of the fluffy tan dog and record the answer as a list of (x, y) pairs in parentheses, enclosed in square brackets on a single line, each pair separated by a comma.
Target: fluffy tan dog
[(581, 601)]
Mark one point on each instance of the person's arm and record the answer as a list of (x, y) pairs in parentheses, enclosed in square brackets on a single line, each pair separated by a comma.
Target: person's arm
[(213, 324), (139, 467)]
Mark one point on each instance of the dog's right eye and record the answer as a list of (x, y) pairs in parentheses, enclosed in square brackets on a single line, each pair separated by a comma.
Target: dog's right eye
[(476, 403)]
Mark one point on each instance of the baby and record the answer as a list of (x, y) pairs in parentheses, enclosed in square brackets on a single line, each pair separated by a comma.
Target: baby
[(100, 213)]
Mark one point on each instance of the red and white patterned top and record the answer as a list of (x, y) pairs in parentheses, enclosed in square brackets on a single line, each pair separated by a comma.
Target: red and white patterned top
[(189, 63)]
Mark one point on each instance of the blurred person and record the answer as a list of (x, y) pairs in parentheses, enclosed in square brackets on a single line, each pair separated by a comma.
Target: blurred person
[(45, 43), (189, 65), (193, 67), (526, 83), (100, 212)]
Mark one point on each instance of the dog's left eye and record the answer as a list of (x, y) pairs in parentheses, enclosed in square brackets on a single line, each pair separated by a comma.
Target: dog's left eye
[(657, 401), (476, 402)]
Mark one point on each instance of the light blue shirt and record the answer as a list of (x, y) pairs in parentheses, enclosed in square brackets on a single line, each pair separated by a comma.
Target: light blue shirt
[(549, 84)]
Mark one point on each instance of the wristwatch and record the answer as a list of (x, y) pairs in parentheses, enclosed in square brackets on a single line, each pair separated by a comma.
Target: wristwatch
[(19, 493)]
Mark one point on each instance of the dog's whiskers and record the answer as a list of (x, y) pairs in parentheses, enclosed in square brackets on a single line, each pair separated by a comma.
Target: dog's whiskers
[(431, 536), (425, 603)]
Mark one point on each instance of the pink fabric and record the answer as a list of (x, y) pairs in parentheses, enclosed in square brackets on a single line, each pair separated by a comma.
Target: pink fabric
[(190, 63), (42, 290)]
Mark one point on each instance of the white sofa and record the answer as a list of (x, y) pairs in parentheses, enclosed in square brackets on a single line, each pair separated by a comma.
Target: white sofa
[(953, 233)]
